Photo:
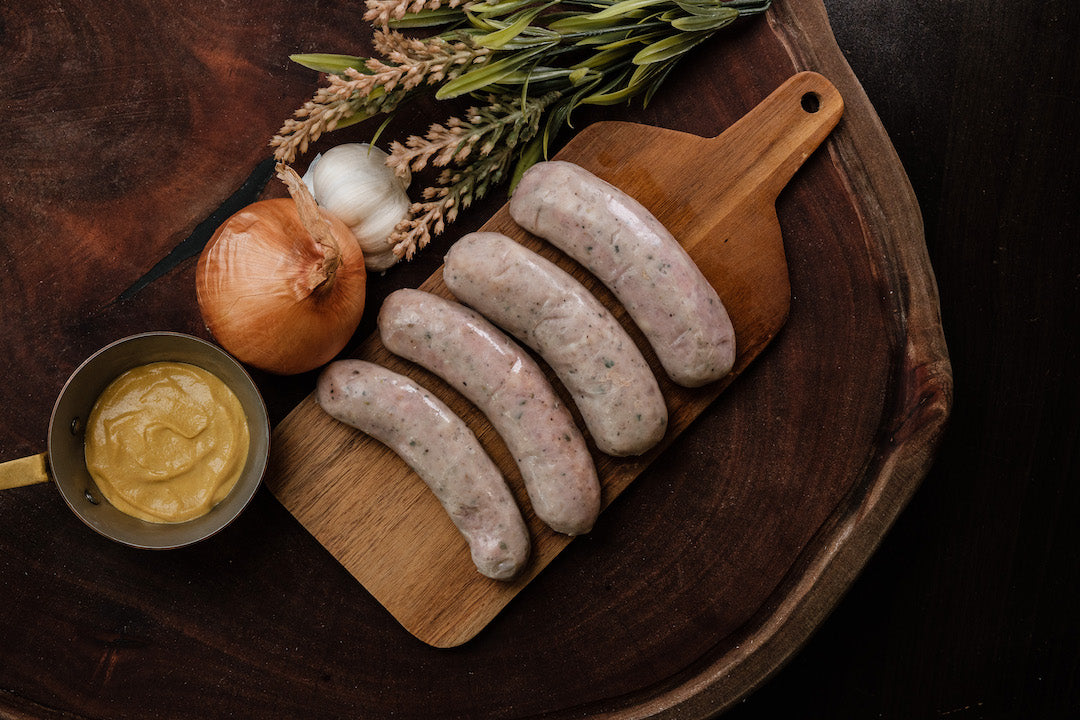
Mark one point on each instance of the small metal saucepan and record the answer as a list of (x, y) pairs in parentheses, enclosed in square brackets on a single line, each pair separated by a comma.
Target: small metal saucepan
[(64, 461)]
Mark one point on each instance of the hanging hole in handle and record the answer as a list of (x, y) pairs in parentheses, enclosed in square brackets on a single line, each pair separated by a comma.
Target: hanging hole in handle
[(811, 102)]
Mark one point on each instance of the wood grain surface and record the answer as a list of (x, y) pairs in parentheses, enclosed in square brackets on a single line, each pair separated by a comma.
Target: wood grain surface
[(127, 129)]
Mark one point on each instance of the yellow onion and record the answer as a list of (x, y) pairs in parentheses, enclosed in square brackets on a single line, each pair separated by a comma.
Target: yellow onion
[(282, 284)]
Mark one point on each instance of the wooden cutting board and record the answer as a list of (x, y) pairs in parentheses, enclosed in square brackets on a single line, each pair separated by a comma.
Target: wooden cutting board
[(717, 196)]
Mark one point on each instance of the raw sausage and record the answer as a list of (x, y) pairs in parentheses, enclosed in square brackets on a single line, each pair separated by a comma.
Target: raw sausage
[(635, 256), (497, 376), (438, 445), (551, 312)]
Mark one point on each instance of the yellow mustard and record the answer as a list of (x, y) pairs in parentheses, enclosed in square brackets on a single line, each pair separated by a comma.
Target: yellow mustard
[(166, 442)]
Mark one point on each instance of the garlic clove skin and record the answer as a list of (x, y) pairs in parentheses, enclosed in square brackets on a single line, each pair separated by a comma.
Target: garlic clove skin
[(310, 173), (353, 182), (379, 261)]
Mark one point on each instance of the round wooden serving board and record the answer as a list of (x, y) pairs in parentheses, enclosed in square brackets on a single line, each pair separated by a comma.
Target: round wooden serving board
[(709, 571)]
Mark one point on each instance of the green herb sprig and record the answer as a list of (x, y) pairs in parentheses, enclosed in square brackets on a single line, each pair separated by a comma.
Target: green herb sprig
[(527, 63)]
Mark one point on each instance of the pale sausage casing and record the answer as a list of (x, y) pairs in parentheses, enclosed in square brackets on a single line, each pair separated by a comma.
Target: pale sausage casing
[(634, 255), (507, 385), (442, 450), (547, 309)]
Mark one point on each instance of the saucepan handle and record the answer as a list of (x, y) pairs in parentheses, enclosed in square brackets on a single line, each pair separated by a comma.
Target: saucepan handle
[(24, 471)]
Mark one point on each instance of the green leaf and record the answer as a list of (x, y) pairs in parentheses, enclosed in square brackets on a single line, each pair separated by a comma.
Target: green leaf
[(611, 97), (641, 39), (529, 156), (483, 75), (330, 63), (627, 89), (697, 23), (427, 18), (498, 9), (616, 33), (700, 7), (379, 130), (480, 23), (544, 74), (749, 7), (355, 118), (500, 38), (557, 117), (656, 82), (625, 8), (360, 116), (668, 48), (578, 75), (530, 37), (533, 37), (603, 58), (577, 24)]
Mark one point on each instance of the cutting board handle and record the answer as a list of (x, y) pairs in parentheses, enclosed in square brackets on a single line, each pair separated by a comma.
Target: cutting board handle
[(763, 149)]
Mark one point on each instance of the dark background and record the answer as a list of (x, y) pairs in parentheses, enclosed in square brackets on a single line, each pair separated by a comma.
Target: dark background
[(969, 609)]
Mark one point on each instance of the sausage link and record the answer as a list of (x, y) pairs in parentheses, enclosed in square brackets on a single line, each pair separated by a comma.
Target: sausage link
[(551, 312), (442, 450), (635, 256), (497, 376)]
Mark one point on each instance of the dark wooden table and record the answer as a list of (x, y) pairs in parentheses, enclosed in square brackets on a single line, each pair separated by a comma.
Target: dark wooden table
[(968, 609)]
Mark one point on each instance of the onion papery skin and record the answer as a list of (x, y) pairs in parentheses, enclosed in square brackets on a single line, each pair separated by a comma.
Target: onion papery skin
[(264, 293)]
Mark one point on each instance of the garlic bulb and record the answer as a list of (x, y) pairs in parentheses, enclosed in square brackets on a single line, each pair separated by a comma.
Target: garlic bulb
[(352, 182)]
